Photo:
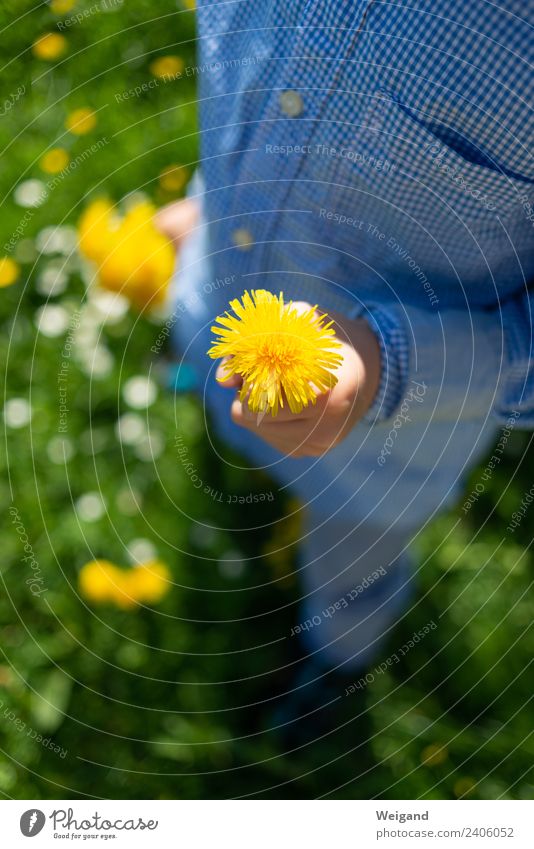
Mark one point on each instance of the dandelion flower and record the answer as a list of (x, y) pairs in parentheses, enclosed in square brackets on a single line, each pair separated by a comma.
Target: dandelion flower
[(463, 787), (95, 229), (173, 178), (9, 271), (149, 582), (49, 46), (96, 578), (81, 121), (281, 354), (61, 7), (101, 581), (133, 258), (434, 755), (54, 161), (167, 67)]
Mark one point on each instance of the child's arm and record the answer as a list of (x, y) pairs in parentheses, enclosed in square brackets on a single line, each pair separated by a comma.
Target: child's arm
[(177, 220)]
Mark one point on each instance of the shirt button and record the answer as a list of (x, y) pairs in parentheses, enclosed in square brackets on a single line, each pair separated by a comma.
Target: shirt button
[(242, 238), (291, 103)]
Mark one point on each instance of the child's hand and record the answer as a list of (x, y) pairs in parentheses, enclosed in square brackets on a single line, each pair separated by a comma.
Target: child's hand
[(321, 426), (177, 220)]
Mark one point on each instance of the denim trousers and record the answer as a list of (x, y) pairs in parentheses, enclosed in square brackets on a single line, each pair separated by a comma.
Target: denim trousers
[(364, 501)]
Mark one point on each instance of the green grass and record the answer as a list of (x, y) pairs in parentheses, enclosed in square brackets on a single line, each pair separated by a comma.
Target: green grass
[(149, 703)]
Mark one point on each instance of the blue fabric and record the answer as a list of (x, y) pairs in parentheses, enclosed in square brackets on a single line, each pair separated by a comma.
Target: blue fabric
[(395, 474), (401, 191), (356, 583), (395, 182)]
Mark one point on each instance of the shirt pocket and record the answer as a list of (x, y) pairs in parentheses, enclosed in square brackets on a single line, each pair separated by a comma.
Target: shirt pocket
[(445, 179), (463, 223)]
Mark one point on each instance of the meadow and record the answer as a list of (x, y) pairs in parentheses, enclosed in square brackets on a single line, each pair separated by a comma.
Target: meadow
[(161, 697)]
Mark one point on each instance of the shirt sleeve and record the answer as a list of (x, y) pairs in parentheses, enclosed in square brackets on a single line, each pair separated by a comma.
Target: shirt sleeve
[(467, 364)]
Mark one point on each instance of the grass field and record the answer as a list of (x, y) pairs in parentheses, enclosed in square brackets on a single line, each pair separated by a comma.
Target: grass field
[(149, 701)]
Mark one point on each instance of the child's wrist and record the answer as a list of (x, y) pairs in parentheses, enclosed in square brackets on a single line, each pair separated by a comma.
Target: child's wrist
[(360, 336)]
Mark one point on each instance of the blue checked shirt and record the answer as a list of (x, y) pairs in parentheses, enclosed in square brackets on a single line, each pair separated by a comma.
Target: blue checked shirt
[(376, 158)]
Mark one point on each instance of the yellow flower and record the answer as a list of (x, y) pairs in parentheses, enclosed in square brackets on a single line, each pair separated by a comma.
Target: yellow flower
[(434, 755), (81, 121), (101, 581), (96, 228), (464, 786), (9, 271), (7, 677), (133, 257), (167, 66), (173, 178), (189, 4), (120, 594), (150, 581), (49, 46), (54, 160), (141, 261), (281, 354), (60, 7)]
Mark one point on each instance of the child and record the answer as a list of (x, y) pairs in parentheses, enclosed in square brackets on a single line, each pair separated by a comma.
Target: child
[(371, 159)]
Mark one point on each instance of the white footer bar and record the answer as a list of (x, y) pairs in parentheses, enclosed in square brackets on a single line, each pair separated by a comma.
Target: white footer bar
[(268, 824)]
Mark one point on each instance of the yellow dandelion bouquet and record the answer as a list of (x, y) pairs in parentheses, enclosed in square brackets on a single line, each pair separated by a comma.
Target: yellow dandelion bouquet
[(281, 353), (131, 255)]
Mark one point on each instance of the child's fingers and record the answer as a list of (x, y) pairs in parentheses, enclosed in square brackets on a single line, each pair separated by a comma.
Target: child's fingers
[(284, 414), (234, 381), (290, 437), (264, 423), (260, 421)]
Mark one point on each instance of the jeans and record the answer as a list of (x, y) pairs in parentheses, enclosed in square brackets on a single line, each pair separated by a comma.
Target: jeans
[(365, 499)]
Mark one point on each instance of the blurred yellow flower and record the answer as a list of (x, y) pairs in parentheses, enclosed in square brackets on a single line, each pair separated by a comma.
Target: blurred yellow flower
[(150, 581), (49, 46), (434, 755), (97, 226), (59, 7), (167, 66), (133, 257), (54, 160), (98, 580), (190, 4), (81, 121), (6, 677), (101, 581), (464, 786), (9, 271), (173, 178)]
